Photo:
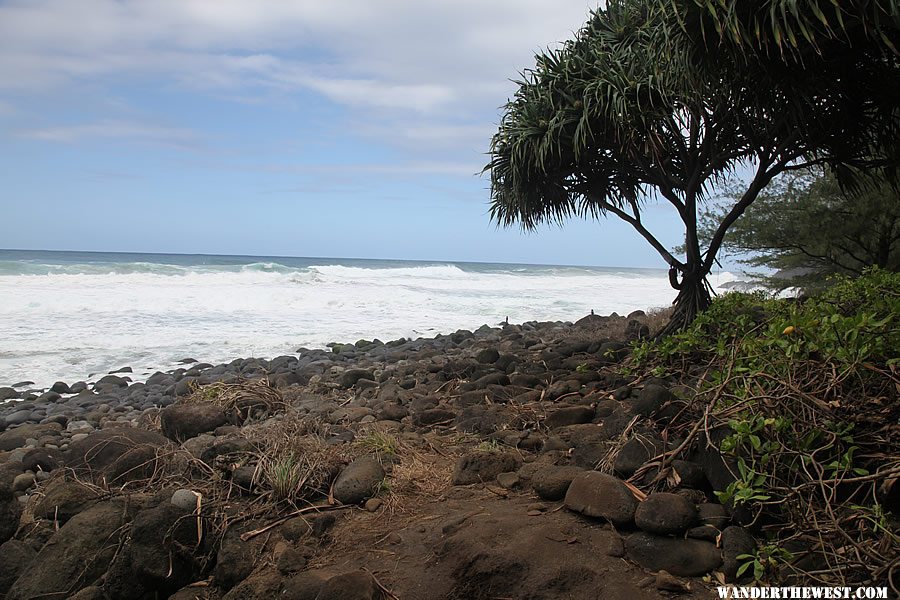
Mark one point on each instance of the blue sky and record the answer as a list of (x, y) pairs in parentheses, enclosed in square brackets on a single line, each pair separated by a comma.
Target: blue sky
[(276, 127)]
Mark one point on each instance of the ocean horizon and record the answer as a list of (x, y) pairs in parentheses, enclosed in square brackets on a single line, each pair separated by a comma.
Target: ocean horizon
[(72, 315)]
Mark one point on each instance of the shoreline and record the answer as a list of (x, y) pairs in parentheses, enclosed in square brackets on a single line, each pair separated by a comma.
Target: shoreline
[(429, 468)]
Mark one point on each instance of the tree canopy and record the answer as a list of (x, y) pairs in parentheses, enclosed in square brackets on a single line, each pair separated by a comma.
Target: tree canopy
[(804, 226), (645, 104)]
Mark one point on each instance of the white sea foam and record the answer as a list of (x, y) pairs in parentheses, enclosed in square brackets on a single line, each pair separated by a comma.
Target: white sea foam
[(67, 322)]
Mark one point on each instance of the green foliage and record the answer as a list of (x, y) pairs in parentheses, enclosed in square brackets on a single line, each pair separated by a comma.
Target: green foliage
[(492, 446), (286, 475), (804, 399), (807, 228), (764, 562)]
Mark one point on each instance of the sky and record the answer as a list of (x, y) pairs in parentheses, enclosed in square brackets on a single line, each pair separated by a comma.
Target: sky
[(277, 127)]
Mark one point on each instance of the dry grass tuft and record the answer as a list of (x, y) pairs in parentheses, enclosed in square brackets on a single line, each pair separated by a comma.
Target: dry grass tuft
[(244, 401)]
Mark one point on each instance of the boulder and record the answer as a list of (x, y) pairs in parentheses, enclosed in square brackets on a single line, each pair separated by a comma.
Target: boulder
[(477, 466), (8, 393), (15, 556), (10, 512), (349, 377), (60, 387), (76, 556), (41, 459), (488, 356), (635, 453), (651, 399), (570, 415), (596, 494), (735, 542), (552, 483), (680, 557), (15, 438), (183, 421), (118, 455), (359, 481), (355, 585), (713, 514), (663, 513), (63, 499), (162, 539)]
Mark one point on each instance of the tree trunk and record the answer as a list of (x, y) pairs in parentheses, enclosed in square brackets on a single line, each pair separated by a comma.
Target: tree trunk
[(693, 298)]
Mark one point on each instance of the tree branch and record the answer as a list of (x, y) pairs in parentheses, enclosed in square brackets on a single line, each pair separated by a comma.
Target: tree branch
[(604, 205)]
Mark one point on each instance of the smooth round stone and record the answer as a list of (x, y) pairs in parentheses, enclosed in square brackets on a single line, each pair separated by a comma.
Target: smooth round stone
[(16, 455), (22, 482), (42, 475), (185, 499), (79, 436)]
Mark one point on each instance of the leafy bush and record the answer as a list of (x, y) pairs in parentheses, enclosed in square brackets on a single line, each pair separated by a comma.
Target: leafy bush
[(806, 393)]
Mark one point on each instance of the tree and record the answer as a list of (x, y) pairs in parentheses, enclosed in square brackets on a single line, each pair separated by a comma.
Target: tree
[(643, 105), (804, 223)]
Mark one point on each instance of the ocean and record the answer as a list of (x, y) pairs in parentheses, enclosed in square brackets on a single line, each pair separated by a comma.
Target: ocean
[(68, 316)]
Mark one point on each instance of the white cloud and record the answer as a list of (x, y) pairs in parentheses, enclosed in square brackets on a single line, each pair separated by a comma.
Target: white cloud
[(435, 50), (410, 72), (113, 129)]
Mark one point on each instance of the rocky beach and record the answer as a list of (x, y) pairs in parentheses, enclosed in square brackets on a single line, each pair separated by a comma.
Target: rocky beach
[(483, 464)]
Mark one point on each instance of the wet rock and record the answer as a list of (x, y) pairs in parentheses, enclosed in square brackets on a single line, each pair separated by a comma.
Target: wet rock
[(181, 422), (359, 480), (60, 387), (663, 513), (477, 466), (596, 494), (8, 393), (77, 555), (552, 483), (680, 557)]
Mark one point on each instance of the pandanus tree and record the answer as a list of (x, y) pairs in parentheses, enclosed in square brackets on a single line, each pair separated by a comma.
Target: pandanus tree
[(654, 100)]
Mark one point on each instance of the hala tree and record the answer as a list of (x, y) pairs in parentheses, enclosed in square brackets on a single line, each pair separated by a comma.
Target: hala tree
[(646, 103)]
